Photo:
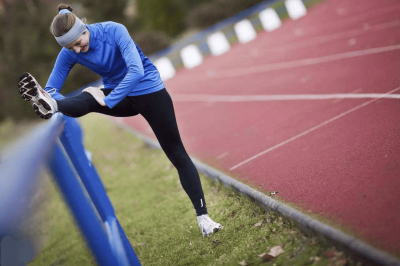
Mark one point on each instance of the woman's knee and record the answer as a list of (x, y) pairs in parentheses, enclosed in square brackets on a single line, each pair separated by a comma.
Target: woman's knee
[(177, 155)]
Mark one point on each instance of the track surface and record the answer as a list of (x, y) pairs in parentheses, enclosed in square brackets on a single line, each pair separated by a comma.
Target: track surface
[(336, 158)]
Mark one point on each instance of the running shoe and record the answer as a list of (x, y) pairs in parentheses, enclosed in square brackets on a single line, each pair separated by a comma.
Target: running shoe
[(207, 226), (43, 104)]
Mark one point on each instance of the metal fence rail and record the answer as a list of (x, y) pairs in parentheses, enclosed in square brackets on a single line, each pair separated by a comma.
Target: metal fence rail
[(58, 145)]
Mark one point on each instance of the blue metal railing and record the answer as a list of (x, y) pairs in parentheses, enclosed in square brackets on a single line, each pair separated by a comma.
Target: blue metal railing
[(58, 143), (19, 164)]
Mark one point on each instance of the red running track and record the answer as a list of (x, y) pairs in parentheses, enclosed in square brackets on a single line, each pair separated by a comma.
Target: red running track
[(334, 158)]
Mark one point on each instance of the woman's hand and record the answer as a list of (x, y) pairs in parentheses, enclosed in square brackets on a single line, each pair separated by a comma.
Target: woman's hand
[(97, 94)]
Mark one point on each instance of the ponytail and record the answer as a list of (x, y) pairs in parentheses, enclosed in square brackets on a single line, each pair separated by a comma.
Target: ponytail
[(62, 23)]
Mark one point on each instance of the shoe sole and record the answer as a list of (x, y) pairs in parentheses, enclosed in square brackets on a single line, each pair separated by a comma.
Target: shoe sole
[(40, 114), (27, 87), (29, 91), (216, 229)]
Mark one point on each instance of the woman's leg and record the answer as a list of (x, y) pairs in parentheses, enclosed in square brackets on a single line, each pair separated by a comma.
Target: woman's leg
[(84, 103), (158, 110)]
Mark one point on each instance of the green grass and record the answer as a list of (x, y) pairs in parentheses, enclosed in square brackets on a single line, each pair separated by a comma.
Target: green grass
[(159, 219), (10, 131)]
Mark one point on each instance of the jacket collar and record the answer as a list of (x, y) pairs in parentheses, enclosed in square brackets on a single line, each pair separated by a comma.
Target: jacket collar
[(93, 40)]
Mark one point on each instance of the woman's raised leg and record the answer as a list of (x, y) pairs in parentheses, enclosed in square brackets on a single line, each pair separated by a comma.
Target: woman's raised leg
[(84, 103)]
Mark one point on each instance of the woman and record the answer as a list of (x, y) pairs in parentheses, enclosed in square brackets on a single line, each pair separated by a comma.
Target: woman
[(132, 86)]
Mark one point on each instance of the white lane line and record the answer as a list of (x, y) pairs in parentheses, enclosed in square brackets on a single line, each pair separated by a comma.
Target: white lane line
[(308, 131), (294, 45), (282, 97), (291, 45), (355, 18), (222, 155), (366, 29), (302, 62)]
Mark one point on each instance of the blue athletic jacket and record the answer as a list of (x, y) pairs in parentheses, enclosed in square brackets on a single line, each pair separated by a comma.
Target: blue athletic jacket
[(116, 58)]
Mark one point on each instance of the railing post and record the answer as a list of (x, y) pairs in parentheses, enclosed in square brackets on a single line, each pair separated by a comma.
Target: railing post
[(115, 241), (71, 139), (84, 213)]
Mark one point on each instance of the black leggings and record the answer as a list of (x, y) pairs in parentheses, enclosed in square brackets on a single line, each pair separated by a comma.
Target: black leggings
[(158, 110)]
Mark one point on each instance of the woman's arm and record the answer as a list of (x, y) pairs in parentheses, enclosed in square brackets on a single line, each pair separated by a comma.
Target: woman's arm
[(65, 61), (133, 62)]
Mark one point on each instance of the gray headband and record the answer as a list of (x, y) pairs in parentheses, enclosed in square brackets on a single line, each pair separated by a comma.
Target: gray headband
[(76, 30)]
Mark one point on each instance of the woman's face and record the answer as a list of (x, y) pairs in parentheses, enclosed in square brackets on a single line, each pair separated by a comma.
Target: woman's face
[(81, 44)]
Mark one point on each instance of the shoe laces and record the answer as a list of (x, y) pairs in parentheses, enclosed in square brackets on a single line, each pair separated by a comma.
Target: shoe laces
[(52, 91), (206, 222)]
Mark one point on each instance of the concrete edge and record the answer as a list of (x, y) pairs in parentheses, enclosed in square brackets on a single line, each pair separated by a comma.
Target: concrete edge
[(306, 223)]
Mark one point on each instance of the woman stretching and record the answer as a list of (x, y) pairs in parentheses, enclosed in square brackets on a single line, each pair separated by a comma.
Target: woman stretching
[(132, 86)]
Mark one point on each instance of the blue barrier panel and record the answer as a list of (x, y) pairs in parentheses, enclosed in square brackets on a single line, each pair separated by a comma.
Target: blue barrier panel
[(71, 139), (19, 171), (20, 166), (83, 211), (115, 241)]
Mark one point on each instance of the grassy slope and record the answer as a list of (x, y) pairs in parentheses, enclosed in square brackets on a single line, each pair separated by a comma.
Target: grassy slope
[(159, 219)]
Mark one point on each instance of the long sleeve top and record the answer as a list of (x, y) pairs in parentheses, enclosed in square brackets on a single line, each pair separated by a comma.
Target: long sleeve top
[(116, 58)]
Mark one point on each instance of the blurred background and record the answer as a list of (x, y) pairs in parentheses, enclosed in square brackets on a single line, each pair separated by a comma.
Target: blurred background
[(26, 44)]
